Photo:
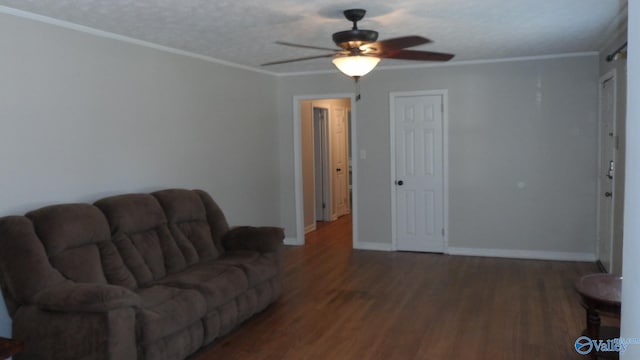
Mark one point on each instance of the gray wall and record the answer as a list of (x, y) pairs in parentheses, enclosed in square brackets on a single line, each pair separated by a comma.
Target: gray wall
[(83, 117), (530, 122), (621, 114)]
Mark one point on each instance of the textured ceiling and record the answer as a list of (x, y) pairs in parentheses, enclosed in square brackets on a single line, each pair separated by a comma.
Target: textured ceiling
[(244, 31)]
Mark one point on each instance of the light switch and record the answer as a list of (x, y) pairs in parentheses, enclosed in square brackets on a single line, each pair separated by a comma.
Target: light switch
[(363, 154)]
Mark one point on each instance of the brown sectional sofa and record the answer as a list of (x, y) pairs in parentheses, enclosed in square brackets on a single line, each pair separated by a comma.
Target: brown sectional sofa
[(135, 276)]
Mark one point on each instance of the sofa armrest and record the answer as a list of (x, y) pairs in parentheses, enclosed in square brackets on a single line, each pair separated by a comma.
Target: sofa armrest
[(80, 297), (262, 239)]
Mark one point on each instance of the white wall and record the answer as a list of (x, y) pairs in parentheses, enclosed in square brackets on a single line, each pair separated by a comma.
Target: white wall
[(630, 326), (83, 116), (530, 122)]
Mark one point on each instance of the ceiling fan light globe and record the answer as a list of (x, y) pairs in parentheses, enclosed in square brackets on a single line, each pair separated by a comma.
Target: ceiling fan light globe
[(355, 65)]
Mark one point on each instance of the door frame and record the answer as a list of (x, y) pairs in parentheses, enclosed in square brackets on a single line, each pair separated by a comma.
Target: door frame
[(610, 75), (445, 161), (297, 163)]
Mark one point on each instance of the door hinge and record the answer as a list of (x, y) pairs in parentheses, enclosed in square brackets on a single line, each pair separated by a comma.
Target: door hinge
[(442, 231), (324, 206)]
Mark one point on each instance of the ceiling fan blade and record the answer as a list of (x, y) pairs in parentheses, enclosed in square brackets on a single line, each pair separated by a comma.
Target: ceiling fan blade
[(397, 43), (417, 55), (298, 59), (304, 46)]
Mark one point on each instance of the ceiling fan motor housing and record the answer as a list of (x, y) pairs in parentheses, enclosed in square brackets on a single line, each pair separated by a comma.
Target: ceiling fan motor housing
[(354, 38), (350, 39)]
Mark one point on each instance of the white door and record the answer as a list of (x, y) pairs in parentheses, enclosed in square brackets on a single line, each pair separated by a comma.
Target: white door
[(419, 172), (339, 142), (606, 173)]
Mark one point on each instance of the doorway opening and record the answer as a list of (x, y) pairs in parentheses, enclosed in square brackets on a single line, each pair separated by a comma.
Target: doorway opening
[(324, 139)]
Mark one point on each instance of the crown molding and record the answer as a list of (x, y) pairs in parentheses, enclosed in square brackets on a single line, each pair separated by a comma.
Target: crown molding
[(118, 37)]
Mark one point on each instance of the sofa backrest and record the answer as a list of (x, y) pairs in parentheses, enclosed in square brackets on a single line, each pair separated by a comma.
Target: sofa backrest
[(141, 236), (128, 240), (197, 238), (70, 234)]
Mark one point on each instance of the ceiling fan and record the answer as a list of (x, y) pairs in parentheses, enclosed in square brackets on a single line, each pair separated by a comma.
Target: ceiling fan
[(360, 51)]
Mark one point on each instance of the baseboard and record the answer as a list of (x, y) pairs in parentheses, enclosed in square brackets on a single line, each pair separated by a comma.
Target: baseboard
[(364, 245), (293, 241), (310, 228), (523, 254)]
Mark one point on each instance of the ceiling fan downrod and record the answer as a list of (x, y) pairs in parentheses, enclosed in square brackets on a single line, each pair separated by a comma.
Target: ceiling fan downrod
[(354, 15)]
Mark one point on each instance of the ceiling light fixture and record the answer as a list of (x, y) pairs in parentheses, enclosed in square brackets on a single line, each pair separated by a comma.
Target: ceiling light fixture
[(355, 66)]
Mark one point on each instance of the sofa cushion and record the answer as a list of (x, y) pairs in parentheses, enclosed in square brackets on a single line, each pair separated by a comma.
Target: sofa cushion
[(218, 284), (188, 223), (82, 264), (115, 270), (141, 235), (167, 310), (257, 267), (70, 234)]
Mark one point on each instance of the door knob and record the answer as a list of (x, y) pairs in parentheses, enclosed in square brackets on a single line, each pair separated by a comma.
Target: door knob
[(607, 194), (338, 169), (399, 182)]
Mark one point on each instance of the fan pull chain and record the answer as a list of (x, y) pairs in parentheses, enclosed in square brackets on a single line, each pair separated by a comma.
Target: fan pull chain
[(357, 81)]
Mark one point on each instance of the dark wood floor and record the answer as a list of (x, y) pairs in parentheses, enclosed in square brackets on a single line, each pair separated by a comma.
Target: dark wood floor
[(341, 303)]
